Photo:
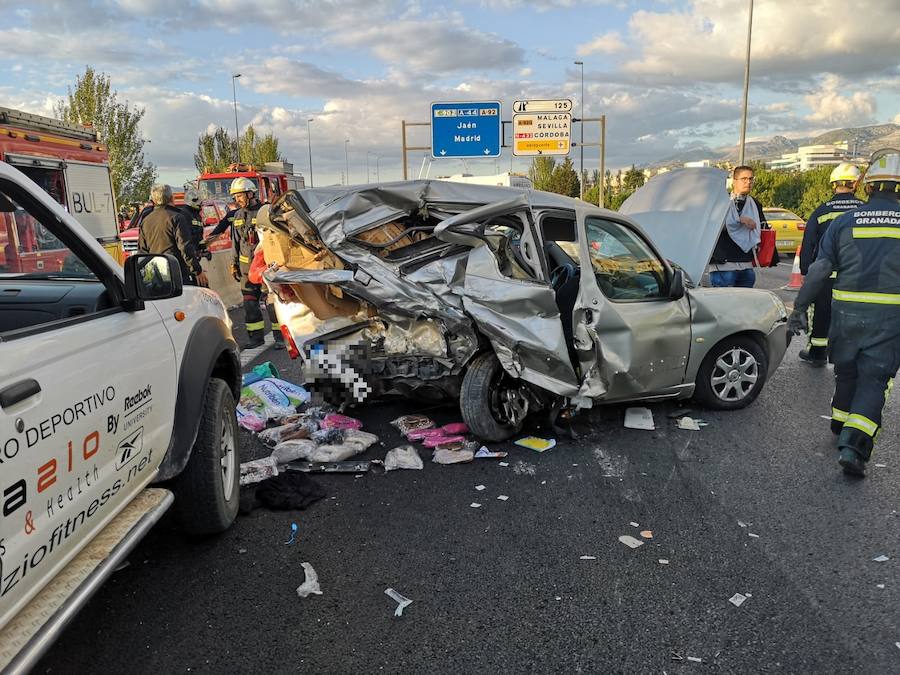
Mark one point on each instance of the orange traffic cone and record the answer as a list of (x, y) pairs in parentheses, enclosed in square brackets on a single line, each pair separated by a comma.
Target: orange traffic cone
[(796, 280)]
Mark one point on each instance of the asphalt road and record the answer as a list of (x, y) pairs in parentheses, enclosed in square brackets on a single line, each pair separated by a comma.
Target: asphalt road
[(754, 503)]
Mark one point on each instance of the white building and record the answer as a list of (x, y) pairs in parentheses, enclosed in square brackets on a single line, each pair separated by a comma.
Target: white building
[(699, 164), (506, 179), (811, 156)]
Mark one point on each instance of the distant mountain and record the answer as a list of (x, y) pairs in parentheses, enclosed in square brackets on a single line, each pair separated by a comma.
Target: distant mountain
[(862, 142)]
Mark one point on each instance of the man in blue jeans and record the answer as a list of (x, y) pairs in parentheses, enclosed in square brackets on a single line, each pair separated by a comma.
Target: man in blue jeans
[(732, 259)]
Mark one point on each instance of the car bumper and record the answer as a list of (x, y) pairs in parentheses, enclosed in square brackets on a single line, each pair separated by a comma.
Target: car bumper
[(776, 345)]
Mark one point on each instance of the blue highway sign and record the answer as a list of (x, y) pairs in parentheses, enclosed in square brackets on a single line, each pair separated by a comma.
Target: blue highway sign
[(467, 129)]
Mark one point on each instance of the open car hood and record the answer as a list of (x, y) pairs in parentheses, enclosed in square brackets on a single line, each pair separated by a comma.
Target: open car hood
[(683, 212)]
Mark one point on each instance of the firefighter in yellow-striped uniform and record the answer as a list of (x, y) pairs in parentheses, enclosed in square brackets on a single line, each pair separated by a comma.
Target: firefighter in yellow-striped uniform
[(844, 178), (244, 240), (863, 247)]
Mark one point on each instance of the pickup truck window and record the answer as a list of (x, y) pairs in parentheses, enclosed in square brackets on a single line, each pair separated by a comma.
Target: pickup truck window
[(41, 287)]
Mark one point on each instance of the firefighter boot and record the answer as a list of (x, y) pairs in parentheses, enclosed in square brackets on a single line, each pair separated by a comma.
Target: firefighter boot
[(853, 464), (810, 356)]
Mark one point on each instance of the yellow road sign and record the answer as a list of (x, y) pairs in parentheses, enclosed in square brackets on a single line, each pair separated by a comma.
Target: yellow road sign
[(544, 133)]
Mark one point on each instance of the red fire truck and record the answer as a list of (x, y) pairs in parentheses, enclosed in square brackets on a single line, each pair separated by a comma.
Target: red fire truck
[(272, 181), (71, 165)]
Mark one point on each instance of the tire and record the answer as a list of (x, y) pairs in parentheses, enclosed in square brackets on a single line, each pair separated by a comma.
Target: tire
[(480, 400), (207, 491), (732, 374)]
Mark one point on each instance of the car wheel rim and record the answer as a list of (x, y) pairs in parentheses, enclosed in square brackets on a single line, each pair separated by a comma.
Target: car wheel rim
[(227, 458), (509, 405), (735, 374)]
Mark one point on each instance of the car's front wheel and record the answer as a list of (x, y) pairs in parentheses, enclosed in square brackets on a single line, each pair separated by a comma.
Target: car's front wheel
[(732, 374), (493, 404), (207, 492)]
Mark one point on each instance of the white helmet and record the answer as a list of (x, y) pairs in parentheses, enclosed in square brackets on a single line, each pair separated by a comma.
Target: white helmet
[(845, 172), (884, 167), (192, 197), (241, 184)]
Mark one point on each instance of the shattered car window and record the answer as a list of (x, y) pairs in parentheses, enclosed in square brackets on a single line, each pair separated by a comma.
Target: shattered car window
[(625, 267)]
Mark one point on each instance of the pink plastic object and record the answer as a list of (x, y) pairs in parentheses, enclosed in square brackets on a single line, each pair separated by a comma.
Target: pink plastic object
[(455, 428), (420, 434), (335, 421), (435, 441)]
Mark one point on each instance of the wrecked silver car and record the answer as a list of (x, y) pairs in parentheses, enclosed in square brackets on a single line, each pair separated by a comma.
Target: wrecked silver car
[(517, 300)]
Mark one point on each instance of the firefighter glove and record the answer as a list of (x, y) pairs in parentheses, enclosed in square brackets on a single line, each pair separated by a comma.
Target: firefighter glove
[(798, 321)]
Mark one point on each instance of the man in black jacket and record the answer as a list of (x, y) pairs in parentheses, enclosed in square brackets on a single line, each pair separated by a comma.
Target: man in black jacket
[(732, 259), (167, 230), (844, 179)]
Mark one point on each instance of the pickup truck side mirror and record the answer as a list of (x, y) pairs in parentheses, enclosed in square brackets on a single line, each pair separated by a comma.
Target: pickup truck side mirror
[(150, 276), (676, 287)]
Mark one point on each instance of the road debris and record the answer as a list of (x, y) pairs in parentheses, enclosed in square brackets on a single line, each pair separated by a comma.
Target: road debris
[(647, 534), (879, 585), (737, 599), (285, 492), (502, 463), (690, 424), (293, 534), (695, 659), (741, 523), (403, 457), (484, 453), (881, 466), (536, 444), (663, 561), (479, 487), (408, 423), (630, 541), (258, 470), (475, 505), (634, 524), (444, 456), (588, 557), (330, 467), (881, 558), (502, 498), (751, 534), (402, 602), (639, 418), (311, 584), (524, 468)]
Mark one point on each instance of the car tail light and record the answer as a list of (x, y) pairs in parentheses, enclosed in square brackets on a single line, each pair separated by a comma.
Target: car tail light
[(801, 226), (292, 350)]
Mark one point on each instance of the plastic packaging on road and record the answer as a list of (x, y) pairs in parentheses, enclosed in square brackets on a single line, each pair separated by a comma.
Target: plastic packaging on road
[(536, 444), (335, 421), (407, 423), (435, 441), (402, 602), (258, 470), (639, 418), (404, 457), (271, 398), (311, 585), (442, 456)]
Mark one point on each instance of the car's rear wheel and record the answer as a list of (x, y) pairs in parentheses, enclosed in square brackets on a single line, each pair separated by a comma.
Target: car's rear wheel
[(207, 492), (493, 404), (732, 374)]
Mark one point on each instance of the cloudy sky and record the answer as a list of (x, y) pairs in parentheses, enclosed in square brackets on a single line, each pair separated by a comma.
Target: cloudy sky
[(667, 73)]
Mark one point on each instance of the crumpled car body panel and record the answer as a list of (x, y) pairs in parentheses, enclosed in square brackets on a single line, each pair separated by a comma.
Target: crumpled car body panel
[(469, 260)]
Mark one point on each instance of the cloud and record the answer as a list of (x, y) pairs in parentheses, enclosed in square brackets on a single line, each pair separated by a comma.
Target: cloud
[(834, 105), (608, 43), (434, 46), (281, 75), (545, 5), (90, 47), (707, 40)]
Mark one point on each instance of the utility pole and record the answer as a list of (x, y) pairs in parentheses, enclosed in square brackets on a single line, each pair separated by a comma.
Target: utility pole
[(237, 134), (746, 88), (581, 143), (346, 161)]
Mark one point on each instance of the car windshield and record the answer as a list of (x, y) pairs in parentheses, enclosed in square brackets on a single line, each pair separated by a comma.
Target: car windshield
[(782, 215), (217, 188)]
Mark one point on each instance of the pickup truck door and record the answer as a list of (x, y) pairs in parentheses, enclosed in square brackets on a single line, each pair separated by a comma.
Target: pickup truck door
[(87, 395), (632, 338)]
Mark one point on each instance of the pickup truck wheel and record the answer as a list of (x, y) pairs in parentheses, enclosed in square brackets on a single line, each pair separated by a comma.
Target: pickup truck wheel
[(207, 493), (492, 403), (732, 374)]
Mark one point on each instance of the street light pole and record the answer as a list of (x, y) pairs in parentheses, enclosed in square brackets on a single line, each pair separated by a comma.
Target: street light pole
[(237, 134), (581, 144), (309, 148), (368, 152), (377, 170), (746, 87), (346, 161)]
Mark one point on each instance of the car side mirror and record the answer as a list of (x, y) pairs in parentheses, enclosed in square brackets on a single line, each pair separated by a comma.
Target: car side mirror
[(676, 287), (150, 276)]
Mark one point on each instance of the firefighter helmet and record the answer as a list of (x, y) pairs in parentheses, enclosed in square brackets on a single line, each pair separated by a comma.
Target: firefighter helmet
[(845, 172), (192, 197), (241, 184), (884, 168)]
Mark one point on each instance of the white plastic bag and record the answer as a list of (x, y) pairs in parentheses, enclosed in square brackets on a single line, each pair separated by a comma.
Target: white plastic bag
[(404, 457)]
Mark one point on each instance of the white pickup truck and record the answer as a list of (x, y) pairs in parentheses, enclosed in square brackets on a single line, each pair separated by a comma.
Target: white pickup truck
[(112, 380)]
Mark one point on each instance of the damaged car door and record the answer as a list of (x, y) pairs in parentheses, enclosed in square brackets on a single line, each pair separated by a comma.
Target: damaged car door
[(633, 316), (508, 295)]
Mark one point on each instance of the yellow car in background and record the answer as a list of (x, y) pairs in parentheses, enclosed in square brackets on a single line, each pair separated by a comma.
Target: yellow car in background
[(788, 228)]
